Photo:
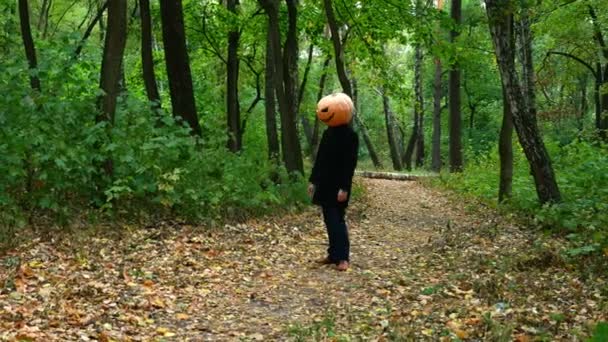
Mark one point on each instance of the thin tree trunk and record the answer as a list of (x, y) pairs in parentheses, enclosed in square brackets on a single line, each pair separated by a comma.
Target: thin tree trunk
[(43, 18), (411, 144), (178, 64), (89, 29), (147, 59), (284, 78), (269, 98), (320, 93), (505, 151), (419, 108), (584, 104), (232, 85), (437, 94), (366, 138), (524, 118), (292, 155), (308, 129), (113, 53), (390, 132), (343, 77), (454, 95), (28, 43)]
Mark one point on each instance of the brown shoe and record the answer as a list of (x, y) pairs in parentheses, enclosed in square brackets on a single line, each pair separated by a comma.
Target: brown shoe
[(342, 266), (324, 261)]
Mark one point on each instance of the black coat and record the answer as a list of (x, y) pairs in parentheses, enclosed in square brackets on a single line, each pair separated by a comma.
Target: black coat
[(335, 165)]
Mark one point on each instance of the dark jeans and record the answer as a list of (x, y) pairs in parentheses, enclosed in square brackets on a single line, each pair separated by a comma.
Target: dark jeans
[(337, 232)]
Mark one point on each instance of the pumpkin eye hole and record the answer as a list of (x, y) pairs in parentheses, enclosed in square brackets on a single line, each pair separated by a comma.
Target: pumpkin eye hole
[(325, 110)]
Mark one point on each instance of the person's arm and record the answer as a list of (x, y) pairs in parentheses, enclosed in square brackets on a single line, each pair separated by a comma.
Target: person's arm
[(348, 163), (315, 174)]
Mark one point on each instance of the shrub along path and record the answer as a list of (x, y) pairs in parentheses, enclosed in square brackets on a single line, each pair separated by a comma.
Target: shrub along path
[(423, 268)]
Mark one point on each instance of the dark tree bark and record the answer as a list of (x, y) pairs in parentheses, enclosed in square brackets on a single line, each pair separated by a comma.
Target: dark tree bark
[(320, 93), (602, 120), (505, 141), (285, 78), (338, 51), (524, 117), (89, 29), (147, 59), (43, 18), (178, 64), (437, 95), (270, 105), (28, 43), (390, 132), (411, 144), (505, 152), (584, 104), (308, 129), (454, 97), (293, 150), (419, 107), (347, 88), (232, 85), (113, 52)]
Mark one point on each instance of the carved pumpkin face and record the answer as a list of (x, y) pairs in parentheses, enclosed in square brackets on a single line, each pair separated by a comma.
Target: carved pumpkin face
[(335, 109)]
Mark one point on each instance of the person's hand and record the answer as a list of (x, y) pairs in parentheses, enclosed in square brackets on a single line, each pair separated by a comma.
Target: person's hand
[(342, 195), (311, 190)]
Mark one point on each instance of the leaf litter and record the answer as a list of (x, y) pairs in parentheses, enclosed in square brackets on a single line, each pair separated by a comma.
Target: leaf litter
[(423, 268)]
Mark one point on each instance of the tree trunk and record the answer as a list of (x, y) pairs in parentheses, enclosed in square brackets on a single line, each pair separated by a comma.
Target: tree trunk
[(338, 51), (411, 144), (602, 120), (390, 132), (584, 104), (505, 151), (178, 64), (89, 30), (437, 94), (113, 52), (524, 118), (419, 107), (368, 141), (320, 93), (232, 85), (284, 78), (308, 129), (43, 18), (147, 60), (454, 97), (292, 155), (269, 99), (343, 77), (28, 43)]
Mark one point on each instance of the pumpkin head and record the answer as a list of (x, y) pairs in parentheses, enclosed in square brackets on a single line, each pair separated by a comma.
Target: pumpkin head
[(335, 109)]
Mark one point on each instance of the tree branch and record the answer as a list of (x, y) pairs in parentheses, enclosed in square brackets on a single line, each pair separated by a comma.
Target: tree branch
[(565, 54)]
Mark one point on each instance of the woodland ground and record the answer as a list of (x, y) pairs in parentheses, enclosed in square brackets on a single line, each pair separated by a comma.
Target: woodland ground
[(423, 268)]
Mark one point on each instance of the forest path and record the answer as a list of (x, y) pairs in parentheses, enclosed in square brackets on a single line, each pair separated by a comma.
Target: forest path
[(422, 269)]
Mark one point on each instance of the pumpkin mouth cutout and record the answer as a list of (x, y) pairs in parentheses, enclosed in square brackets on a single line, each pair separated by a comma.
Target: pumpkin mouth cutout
[(328, 119)]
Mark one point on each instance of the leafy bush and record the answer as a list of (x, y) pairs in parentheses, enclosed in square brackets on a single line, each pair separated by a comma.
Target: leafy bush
[(580, 169), (51, 152)]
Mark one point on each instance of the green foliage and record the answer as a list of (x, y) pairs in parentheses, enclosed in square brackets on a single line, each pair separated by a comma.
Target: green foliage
[(580, 168), (600, 333)]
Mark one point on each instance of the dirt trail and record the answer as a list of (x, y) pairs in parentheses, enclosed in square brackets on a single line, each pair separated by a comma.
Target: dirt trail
[(422, 268)]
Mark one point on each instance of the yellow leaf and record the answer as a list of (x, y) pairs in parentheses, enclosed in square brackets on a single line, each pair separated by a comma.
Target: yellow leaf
[(427, 332), (182, 316), (157, 302)]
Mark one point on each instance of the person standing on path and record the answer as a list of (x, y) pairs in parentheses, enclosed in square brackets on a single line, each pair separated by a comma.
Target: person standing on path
[(332, 174)]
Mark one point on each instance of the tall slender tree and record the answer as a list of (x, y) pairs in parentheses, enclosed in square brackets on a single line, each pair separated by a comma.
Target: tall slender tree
[(390, 131), (284, 78), (178, 64), (454, 96), (521, 101), (347, 87), (269, 98), (437, 95), (147, 60), (28, 43), (114, 47), (232, 84)]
